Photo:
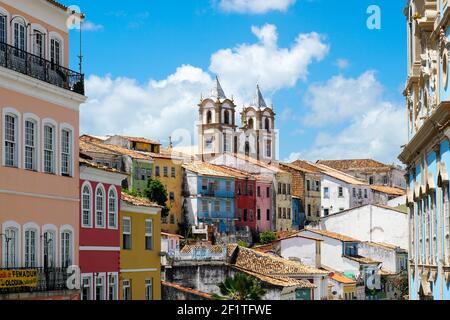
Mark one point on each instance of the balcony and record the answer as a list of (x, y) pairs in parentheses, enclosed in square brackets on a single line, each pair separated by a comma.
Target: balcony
[(32, 281), (38, 68)]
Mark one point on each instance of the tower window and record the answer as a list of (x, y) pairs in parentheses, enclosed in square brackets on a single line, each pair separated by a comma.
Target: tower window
[(209, 117), (267, 124), (250, 123), (227, 117), (247, 148)]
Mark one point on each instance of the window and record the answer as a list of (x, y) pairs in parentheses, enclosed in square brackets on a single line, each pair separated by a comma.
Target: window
[(269, 149), (66, 153), (112, 209), (247, 148), (86, 290), (112, 287), (340, 192), (289, 213), (100, 207), (30, 145), (209, 117), (279, 188), (385, 180), (30, 248), (228, 206), (157, 173), (245, 215), (268, 215), (11, 132), (326, 212), (284, 189), (284, 213), (217, 206), (267, 124), (49, 249), (258, 214), (149, 289), (365, 194), (258, 191), (250, 190), (354, 193), (326, 193), (86, 206), (289, 189), (228, 186), (100, 288), (205, 206), (19, 35), (173, 171), (148, 234), (55, 52), (66, 249), (126, 289), (49, 149), (250, 123), (10, 246), (226, 143), (308, 185), (309, 210), (171, 196), (317, 186), (227, 117), (38, 48), (126, 233), (3, 29), (268, 192), (371, 180), (239, 190), (166, 172), (172, 219)]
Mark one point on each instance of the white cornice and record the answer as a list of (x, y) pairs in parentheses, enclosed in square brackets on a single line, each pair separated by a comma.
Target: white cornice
[(15, 81), (125, 207), (36, 195), (99, 175)]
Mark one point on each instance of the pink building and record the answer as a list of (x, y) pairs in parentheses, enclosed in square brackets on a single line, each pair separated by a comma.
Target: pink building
[(264, 205), (100, 190), (39, 178)]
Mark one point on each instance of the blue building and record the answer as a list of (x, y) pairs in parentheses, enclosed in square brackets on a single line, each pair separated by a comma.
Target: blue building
[(427, 153), (209, 197)]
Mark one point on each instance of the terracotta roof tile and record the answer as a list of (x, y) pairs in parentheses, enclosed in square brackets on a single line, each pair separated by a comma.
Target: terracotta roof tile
[(278, 280), (362, 260), (123, 151), (187, 290), (389, 190), (207, 169), (212, 248), (57, 4), (354, 164), (137, 201), (270, 265), (98, 166), (342, 279), (141, 140), (332, 235)]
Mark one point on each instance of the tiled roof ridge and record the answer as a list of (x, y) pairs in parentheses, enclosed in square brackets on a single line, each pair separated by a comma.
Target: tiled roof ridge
[(185, 289)]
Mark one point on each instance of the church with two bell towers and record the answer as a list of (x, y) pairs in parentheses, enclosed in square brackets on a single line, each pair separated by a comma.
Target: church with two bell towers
[(218, 132)]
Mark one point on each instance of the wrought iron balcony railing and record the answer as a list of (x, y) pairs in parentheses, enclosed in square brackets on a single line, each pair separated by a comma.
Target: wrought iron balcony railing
[(39, 68), (42, 280)]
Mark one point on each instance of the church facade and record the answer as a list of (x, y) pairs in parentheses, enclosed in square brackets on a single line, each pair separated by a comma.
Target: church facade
[(219, 133)]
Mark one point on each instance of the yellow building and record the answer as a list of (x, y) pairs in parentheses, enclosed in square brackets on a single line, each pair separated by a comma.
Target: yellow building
[(168, 170), (140, 244)]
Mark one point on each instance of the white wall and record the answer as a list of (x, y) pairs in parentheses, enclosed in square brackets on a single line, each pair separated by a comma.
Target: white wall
[(388, 257), (334, 203), (300, 248), (397, 201), (370, 223)]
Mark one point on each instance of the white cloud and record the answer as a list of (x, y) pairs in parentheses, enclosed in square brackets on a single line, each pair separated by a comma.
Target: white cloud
[(266, 63), (255, 6), (91, 26), (342, 64), (156, 109), (340, 99), (372, 126)]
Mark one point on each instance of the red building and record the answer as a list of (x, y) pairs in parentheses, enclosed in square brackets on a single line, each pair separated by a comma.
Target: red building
[(100, 190), (245, 195)]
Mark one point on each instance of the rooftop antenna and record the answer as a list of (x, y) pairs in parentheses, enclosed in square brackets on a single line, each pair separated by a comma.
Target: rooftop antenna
[(80, 57)]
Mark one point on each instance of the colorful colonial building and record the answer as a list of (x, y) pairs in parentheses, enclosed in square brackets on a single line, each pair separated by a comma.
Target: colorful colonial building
[(100, 189), (140, 261), (39, 177), (427, 152)]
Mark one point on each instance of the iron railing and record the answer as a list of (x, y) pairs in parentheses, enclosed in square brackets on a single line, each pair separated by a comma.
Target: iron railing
[(48, 279), (39, 68)]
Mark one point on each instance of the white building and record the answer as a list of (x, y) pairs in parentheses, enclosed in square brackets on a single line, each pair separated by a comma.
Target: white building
[(372, 223)]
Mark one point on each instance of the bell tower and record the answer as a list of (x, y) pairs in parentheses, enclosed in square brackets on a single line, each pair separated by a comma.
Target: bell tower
[(217, 125)]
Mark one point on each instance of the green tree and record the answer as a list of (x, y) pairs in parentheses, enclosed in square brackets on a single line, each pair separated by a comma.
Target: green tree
[(267, 237), (240, 287), (157, 193)]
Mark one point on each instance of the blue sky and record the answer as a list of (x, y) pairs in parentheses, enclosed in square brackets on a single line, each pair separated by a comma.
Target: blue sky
[(337, 93)]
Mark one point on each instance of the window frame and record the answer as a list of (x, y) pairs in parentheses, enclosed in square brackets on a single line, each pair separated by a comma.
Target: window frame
[(147, 285), (104, 285), (127, 233), (87, 185), (26, 228), (17, 136), (96, 211), (6, 226), (113, 190), (149, 235), (65, 127), (90, 277), (112, 275), (50, 123), (66, 229)]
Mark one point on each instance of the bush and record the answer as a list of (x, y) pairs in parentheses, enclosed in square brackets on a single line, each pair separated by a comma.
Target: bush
[(267, 237)]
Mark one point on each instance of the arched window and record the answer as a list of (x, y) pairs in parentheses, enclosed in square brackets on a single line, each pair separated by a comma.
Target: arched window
[(49, 242), (100, 207), (86, 206), (3, 28), (19, 33), (31, 138), (251, 123), (209, 117), (11, 133), (38, 43), (267, 124), (11, 247), (247, 148), (49, 149), (66, 248), (227, 117), (66, 152), (30, 249), (112, 208), (55, 52)]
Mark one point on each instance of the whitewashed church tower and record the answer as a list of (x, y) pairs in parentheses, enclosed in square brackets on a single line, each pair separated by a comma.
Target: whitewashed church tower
[(217, 127), (257, 136)]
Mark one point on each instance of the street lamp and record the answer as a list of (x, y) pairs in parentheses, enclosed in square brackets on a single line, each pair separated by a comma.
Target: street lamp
[(7, 240)]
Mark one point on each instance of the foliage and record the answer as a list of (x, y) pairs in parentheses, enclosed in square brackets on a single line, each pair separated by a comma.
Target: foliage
[(132, 193), (240, 287), (400, 283), (242, 244), (267, 237), (156, 192)]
